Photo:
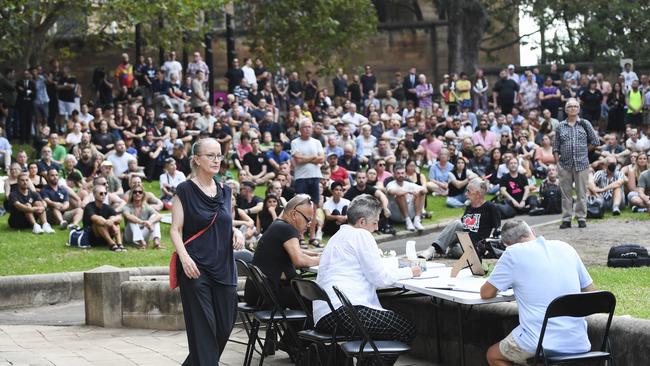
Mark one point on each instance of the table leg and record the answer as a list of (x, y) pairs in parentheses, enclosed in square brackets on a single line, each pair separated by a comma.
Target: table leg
[(461, 338), (437, 320)]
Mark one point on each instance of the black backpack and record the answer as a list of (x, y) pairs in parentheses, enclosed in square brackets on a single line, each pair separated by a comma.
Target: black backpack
[(551, 198), (628, 255)]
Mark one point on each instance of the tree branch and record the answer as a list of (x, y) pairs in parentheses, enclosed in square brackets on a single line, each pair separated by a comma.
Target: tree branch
[(507, 44)]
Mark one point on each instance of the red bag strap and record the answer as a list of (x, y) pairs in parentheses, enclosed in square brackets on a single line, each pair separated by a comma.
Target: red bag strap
[(202, 231)]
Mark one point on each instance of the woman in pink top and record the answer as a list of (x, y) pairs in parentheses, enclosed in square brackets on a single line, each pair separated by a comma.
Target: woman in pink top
[(544, 155)]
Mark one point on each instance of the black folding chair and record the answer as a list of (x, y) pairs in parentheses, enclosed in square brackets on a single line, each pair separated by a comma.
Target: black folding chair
[(276, 318), (366, 347), (245, 310), (578, 305), (311, 291)]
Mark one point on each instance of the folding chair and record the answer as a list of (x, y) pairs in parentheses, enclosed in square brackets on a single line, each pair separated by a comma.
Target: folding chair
[(578, 305), (311, 291), (245, 310), (366, 347), (276, 319)]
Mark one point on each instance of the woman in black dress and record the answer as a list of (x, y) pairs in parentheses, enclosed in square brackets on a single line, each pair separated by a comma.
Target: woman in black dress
[(201, 214), (616, 104)]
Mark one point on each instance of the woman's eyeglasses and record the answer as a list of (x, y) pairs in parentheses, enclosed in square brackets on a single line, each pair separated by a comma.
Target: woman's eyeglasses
[(138, 192), (214, 157)]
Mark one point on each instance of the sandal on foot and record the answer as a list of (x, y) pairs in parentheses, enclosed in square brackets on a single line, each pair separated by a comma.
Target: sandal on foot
[(158, 246), (316, 243), (303, 245), (122, 248), (115, 248)]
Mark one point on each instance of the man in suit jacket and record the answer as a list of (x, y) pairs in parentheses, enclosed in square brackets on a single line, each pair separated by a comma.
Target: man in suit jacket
[(26, 92), (410, 82)]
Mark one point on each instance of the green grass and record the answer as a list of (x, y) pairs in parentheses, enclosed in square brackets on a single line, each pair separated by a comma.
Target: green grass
[(630, 285), (22, 253)]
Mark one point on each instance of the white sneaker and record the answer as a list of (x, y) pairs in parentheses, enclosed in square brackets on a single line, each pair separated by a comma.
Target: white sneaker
[(409, 224), (47, 228), (417, 222), (428, 254), (319, 234), (37, 229)]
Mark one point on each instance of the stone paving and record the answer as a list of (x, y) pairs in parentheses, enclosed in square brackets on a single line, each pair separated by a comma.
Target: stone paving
[(80, 345)]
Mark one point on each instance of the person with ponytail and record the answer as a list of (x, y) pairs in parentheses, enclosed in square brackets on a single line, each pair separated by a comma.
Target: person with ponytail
[(204, 238)]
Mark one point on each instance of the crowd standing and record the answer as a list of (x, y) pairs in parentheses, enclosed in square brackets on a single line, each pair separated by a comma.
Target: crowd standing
[(290, 135)]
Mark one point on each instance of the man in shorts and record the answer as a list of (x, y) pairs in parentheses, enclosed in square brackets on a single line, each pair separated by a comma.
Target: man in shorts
[(406, 200), (308, 154), (538, 270)]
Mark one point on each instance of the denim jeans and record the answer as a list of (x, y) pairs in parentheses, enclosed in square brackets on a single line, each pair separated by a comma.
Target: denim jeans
[(456, 201)]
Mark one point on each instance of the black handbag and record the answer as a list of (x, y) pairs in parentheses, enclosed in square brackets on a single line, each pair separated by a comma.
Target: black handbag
[(628, 255), (595, 208)]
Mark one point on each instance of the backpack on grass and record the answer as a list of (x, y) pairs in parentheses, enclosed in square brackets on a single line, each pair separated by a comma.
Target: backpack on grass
[(628, 255), (78, 238)]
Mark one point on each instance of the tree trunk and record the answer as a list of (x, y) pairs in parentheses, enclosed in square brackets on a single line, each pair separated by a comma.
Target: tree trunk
[(467, 20)]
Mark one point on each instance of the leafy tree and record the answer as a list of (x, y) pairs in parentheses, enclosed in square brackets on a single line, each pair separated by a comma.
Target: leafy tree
[(319, 32), (27, 26)]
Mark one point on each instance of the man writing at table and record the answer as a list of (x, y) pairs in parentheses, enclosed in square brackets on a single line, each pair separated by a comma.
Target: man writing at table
[(538, 270)]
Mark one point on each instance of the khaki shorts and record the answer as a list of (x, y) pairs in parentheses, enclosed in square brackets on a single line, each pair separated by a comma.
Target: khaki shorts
[(511, 350)]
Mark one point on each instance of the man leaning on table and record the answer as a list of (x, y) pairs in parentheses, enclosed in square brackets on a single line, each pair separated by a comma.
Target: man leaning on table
[(538, 270)]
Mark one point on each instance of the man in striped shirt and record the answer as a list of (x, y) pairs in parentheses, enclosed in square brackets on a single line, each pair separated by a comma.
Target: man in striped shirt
[(570, 150)]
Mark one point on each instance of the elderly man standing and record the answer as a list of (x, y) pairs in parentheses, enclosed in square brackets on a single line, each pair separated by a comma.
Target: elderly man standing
[(308, 155), (571, 155), (531, 263)]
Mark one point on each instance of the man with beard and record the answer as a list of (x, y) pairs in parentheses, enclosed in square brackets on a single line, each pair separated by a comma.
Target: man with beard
[(484, 137)]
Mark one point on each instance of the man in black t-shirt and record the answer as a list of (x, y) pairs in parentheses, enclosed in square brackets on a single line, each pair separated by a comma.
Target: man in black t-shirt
[(368, 82), (26, 208), (505, 92), (248, 201), (256, 164), (515, 191), (67, 88), (234, 76), (361, 187), (101, 222)]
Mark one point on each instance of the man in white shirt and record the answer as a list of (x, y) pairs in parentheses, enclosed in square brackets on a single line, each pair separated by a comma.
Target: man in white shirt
[(406, 200), (249, 72), (353, 119), (335, 208), (629, 76), (352, 263), (171, 66), (120, 159), (538, 270)]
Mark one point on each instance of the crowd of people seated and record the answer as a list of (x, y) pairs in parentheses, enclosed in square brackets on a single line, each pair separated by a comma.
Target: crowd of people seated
[(398, 143)]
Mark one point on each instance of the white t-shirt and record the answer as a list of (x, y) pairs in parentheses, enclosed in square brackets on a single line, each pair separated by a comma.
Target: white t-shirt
[(249, 75), (306, 147), (73, 138), (353, 120), (539, 271), (330, 205), (120, 163), (351, 262), (172, 181), (172, 67), (629, 78)]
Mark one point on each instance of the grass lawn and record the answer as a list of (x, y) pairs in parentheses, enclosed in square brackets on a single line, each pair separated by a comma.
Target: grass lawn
[(22, 253)]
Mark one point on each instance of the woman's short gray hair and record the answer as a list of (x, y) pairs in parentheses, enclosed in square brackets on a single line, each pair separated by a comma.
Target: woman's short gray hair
[(70, 157), (364, 206), (514, 231)]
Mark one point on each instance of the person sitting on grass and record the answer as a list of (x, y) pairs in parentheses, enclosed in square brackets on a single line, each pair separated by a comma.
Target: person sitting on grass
[(58, 203), (26, 208), (169, 180), (102, 222), (142, 222), (406, 200), (335, 209), (607, 186), (149, 197), (480, 219)]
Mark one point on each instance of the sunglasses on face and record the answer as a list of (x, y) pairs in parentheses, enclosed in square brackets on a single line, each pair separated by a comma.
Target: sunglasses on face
[(138, 192)]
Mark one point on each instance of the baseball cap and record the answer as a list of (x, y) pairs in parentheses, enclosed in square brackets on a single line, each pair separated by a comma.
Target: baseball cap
[(106, 163), (511, 66), (248, 184), (332, 154)]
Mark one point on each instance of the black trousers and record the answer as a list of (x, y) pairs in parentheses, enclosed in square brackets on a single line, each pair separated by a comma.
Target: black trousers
[(209, 309)]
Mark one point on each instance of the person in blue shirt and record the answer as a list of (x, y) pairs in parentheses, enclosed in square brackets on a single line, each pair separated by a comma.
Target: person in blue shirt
[(439, 174), (538, 271), (58, 203), (277, 156)]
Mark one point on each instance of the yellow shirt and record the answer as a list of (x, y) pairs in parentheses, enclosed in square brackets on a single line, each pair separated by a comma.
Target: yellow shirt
[(463, 84)]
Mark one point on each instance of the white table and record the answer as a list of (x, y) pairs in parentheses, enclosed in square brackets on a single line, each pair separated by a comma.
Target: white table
[(437, 283)]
